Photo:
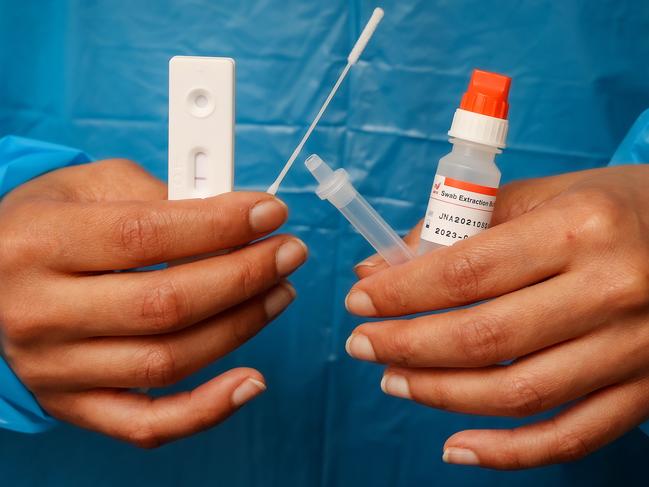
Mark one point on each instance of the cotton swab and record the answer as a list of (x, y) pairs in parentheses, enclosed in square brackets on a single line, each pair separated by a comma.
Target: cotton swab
[(355, 53)]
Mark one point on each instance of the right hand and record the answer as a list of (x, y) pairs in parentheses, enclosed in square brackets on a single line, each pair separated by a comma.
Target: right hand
[(80, 335)]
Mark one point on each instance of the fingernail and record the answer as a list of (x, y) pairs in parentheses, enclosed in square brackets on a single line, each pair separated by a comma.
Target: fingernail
[(360, 347), (278, 299), (248, 389), (267, 215), (396, 385), (460, 456), (369, 262), (290, 256), (359, 303)]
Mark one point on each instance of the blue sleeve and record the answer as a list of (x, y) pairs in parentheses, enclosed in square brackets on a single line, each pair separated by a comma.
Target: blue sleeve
[(20, 161), (634, 149)]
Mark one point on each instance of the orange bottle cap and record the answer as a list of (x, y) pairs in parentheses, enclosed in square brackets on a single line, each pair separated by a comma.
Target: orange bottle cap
[(487, 94)]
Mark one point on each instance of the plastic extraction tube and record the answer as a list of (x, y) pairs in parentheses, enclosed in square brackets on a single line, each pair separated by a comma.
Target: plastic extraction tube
[(335, 187)]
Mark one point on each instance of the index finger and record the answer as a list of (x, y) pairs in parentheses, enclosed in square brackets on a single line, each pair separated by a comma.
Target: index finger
[(106, 236), (500, 260), (514, 199)]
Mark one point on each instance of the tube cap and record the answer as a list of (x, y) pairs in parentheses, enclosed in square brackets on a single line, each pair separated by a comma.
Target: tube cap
[(482, 116), (487, 94)]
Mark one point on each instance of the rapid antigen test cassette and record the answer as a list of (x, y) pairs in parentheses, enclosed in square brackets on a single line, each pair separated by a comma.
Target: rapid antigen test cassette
[(201, 126)]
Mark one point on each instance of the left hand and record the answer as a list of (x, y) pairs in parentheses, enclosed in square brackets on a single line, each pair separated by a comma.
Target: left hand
[(81, 334), (565, 274)]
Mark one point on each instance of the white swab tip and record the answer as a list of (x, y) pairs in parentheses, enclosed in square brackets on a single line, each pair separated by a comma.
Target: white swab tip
[(365, 36)]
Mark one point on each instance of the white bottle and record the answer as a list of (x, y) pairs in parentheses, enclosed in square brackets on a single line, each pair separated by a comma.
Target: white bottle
[(464, 190)]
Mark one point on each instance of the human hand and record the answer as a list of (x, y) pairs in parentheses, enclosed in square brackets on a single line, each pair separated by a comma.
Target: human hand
[(80, 335), (565, 272)]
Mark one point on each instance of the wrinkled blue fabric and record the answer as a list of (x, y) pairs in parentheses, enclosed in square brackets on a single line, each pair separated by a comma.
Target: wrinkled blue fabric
[(94, 75)]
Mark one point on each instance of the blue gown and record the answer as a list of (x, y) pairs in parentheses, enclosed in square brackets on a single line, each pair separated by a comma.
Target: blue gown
[(93, 75)]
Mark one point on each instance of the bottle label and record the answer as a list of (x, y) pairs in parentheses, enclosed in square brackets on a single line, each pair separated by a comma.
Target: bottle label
[(457, 210)]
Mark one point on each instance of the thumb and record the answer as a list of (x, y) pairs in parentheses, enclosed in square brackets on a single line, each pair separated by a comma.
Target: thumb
[(376, 263)]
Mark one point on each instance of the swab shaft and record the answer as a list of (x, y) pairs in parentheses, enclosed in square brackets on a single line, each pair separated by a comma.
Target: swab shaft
[(355, 53), (275, 186)]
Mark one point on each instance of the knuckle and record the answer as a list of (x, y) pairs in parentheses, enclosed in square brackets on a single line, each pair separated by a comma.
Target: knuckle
[(39, 371), (164, 306), (438, 396), (245, 327), (8, 249), (158, 368), (627, 289), (393, 293), (570, 447), (18, 326), (461, 277), (36, 378), (224, 221), (524, 398), (481, 340), (17, 249), (116, 166), (598, 215), (512, 460), (143, 436), (242, 330), (27, 370), (251, 274), (139, 236), (127, 164), (204, 420), (388, 295), (401, 349)]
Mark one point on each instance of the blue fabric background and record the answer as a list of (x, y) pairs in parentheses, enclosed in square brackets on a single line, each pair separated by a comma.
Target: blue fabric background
[(93, 75)]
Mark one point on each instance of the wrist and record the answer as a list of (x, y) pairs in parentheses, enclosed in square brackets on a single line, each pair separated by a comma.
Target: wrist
[(22, 160)]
